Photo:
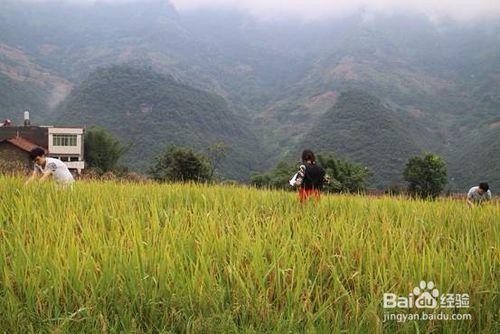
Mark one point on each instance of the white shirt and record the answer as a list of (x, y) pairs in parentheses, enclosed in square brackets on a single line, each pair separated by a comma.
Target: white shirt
[(474, 195), (57, 168)]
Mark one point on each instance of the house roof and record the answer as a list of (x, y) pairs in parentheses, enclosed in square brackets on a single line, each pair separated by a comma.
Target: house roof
[(22, 143), (35, 134)]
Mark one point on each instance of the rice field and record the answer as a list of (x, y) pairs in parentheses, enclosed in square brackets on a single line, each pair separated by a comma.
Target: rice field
[(107, 257)]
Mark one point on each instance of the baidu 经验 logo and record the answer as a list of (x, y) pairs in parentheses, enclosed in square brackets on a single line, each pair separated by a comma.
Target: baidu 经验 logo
[(426, 295), (423, 296), (426, 298)]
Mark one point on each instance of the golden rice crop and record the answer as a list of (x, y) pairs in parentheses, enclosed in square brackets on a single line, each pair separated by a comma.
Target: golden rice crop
[(110, 257)]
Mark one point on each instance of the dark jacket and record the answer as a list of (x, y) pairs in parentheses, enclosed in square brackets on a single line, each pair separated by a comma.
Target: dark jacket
[(311, 176)]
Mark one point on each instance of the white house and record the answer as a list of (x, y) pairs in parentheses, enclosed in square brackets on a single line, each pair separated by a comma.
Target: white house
[(66, 144)]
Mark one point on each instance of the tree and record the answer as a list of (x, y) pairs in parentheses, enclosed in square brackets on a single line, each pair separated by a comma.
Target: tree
[(345, 176), (216, 153), (277, 178), (177, 164), (426, 175), (102, 150)]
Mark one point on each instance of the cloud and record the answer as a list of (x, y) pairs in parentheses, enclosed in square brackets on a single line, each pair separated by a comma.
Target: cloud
[(322, 9), (319, 9)]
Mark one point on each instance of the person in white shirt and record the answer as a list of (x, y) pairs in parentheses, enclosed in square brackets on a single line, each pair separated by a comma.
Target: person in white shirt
[(478, 195), (46, 167)]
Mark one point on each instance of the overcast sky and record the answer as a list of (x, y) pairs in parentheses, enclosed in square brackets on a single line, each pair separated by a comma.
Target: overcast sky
[(314, 9)]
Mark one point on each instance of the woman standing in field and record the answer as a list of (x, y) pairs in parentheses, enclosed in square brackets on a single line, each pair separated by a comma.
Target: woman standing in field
[(310, 177)]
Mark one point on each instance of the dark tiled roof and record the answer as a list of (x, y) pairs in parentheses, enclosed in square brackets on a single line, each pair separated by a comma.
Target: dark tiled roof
[(22, 143), (34, 134)]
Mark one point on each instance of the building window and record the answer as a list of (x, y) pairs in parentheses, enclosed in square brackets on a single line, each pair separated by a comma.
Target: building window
[(64, 140)]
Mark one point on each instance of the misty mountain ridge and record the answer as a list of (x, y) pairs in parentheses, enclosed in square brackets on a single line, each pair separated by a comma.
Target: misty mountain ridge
[(368, 132), (153, 112), (441, 80)]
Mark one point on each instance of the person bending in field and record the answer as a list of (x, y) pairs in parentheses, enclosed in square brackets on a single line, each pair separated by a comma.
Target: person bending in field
[(478, 195), (310, 177), (46, 167)]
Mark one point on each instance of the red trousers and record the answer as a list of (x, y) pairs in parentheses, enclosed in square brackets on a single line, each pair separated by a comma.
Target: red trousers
[(305, 194)]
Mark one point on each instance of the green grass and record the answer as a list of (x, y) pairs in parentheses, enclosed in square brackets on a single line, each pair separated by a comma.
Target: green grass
[(107, 257)]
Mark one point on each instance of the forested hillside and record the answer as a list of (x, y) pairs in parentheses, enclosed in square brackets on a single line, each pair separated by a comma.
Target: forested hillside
[(362, 128), (16, 96), (153, 111), (440, 78)]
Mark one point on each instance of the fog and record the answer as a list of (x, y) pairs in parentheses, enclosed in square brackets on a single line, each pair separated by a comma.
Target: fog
[(324, 9)]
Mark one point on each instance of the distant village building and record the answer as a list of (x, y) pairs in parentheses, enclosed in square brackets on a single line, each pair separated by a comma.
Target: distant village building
[(64, 143)]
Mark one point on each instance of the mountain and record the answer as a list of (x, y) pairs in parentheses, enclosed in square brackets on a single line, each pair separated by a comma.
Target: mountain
[(477, 158), (439, 77), (434, 69), (16, 96), (153, 111), (363, 128), (72, 39), (26, 85)]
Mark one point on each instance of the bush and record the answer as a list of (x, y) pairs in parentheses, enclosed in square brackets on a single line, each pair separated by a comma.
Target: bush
[(12, 168), (136, 178), (345, 176), (102, 150), (108, 176), (91, 174), (395, 189), (277, 178), (178, 164), (426, 175)]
